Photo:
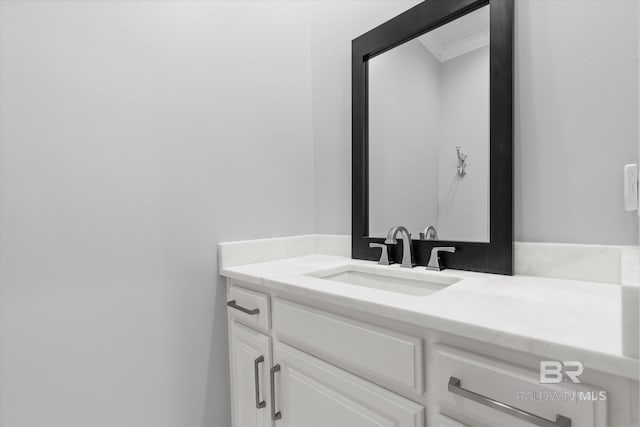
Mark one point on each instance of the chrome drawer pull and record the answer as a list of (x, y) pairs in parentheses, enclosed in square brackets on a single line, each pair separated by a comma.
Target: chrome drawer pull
[(259, 403), (233, 304), (274, 415), (455, 388)]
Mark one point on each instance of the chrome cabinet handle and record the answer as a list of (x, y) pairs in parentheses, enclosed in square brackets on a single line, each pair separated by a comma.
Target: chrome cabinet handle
[(233, 304), (274, 415), (259, 403), (456, 388)]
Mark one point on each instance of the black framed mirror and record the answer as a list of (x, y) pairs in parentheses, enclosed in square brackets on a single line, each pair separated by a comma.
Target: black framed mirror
[(432, 137)]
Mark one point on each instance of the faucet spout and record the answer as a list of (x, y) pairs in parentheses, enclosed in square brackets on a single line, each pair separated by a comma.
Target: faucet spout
[(406, 243)]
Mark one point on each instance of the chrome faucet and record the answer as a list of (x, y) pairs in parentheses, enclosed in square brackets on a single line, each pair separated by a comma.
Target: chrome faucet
[(434, 260), (406, 244), (429, 233)]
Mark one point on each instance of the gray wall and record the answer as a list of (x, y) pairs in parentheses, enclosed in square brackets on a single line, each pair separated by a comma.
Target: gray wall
[(333, 25), (135, 136), (576, 120), (463, 202), (419, 111), (404, 122)]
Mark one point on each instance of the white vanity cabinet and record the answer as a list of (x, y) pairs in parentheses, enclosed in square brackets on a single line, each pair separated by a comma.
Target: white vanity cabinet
[(299, 363), (289, 387)]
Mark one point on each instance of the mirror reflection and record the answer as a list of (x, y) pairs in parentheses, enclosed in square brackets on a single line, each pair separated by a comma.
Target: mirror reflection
[(429, 133)]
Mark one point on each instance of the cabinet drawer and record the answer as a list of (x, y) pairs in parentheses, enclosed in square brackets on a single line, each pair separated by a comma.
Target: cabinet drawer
[(364, 349), (248, 307), (514, 386)]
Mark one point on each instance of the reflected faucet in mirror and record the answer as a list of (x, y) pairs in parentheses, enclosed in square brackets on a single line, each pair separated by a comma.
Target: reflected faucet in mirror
[(429, 233), (406, 243)]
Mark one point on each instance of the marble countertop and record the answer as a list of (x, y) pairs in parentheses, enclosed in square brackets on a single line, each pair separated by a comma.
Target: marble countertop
[(554, 318)]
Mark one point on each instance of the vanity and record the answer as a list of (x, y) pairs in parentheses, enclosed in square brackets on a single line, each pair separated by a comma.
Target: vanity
[(319, 339), (381, 328)]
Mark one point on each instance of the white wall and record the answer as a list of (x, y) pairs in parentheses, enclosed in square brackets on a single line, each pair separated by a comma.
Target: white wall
[(134, 137), (404, 125), (576, 115)]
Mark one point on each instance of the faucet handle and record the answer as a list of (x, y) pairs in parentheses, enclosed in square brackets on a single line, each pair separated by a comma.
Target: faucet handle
[(434, 260), (384, 256)]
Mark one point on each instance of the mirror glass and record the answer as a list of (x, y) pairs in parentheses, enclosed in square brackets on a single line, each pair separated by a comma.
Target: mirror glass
[(429, 133)]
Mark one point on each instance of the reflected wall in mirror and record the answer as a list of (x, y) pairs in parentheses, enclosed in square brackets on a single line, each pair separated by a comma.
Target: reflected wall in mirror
[(429, 132)]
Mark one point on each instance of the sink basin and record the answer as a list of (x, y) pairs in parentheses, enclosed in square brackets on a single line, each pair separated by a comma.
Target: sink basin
[(392, 280)]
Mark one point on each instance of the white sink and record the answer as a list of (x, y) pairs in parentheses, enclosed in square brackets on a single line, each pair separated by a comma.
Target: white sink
[(394, 279)]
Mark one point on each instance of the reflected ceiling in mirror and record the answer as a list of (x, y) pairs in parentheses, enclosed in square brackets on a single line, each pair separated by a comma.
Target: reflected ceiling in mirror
[(429, 133)]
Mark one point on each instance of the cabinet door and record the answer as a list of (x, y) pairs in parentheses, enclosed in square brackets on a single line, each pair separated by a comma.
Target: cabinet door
[(312, 393), (250, 359)]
